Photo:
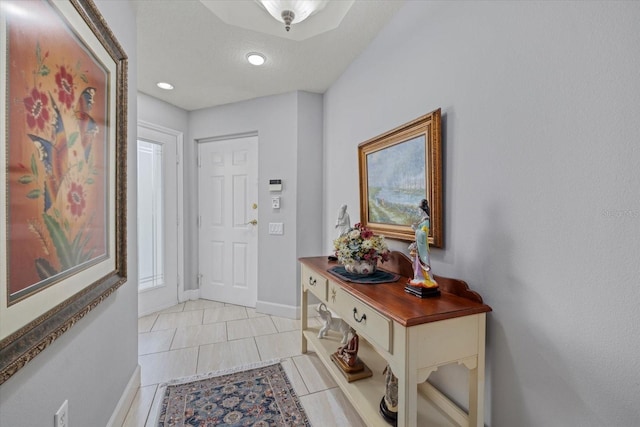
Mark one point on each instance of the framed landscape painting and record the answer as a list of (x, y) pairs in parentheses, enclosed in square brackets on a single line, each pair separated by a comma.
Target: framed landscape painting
[(62, 234), (397, 171)]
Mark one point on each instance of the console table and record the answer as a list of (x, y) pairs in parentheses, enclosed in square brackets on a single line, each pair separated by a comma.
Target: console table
[(414, 336)]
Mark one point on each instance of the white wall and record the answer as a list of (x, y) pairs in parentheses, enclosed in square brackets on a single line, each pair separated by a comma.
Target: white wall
[(90, 364), (540, 105), (277, 120)]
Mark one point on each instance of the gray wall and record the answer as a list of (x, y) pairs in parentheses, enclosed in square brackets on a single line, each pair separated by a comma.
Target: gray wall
[(309, 173), (288, 127), (541, 103), (310, 166), (160, 113), (91, 363)]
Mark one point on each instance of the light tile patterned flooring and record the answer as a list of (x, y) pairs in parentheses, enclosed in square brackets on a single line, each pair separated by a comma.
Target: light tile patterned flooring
[(203, 336)]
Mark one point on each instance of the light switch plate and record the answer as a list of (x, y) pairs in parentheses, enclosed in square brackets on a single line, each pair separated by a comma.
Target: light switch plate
[(276, 228)]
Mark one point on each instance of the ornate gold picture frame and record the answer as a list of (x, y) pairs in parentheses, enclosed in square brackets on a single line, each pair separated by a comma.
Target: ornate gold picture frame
[(63, 171), (397, 170)]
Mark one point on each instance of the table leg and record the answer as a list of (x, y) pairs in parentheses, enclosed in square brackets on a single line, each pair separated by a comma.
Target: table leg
[(407, 399), (303, 319), (476, 400), (476, 381)]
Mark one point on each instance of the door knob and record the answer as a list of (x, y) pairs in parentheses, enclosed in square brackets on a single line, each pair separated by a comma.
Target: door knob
[(252, 222)]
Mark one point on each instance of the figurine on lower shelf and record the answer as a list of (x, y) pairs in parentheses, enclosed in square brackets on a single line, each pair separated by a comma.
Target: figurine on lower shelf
[(423, 284), (389, 402), (332, 323), (346, 357), (349, 353)]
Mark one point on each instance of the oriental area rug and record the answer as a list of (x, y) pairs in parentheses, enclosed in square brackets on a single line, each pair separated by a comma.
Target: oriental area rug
[(254, 396)]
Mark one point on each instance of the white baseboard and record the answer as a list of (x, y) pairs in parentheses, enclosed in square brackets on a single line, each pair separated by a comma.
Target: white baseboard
[(129, 393), (154, 309), (190, 295), (280, 310)]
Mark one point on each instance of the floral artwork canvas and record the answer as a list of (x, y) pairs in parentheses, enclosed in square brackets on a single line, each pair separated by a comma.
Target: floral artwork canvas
[(57, 153)]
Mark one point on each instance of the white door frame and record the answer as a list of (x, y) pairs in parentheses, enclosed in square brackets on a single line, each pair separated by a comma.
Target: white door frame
[(179, 136)]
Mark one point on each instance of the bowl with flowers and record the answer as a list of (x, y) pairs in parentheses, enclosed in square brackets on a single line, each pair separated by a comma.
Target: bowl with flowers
[(359, 250)]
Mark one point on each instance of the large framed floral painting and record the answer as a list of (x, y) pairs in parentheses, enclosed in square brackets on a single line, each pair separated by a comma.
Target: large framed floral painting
[(62, 234), (399, 169)]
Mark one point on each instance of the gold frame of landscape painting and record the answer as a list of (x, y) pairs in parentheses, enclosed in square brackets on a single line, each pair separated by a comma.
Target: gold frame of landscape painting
[(62, 170), (397, 170)]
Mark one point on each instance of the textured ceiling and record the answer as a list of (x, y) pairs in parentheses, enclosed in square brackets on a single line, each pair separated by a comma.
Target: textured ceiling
[(185, 43)]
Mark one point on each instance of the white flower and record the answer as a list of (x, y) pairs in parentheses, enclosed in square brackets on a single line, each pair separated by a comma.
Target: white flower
[(367, 244), (354, 234)]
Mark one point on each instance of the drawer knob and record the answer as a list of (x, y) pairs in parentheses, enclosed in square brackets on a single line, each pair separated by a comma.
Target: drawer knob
[(363, 317), (312, 281)]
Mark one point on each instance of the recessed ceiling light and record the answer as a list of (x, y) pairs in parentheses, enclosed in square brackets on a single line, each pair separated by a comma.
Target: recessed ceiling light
[(165, 86), (256, 58)]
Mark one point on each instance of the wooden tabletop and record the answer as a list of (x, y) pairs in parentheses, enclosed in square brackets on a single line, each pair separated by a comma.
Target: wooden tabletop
[(456, 299)]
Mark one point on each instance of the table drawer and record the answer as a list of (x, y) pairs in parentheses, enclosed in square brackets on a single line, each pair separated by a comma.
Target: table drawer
[(314, 282), (366, 320)]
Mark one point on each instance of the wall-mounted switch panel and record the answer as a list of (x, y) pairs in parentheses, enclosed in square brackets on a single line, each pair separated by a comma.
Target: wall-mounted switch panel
[(276, 228)]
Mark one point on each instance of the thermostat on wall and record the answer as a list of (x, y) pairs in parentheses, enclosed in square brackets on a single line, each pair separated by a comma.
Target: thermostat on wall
[(275, 185)]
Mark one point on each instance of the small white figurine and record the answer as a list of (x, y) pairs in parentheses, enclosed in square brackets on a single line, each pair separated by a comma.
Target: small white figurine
[(343, 223), (336, 324)]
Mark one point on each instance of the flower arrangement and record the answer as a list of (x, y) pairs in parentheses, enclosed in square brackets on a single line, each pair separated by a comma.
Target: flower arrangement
[(359, 244)]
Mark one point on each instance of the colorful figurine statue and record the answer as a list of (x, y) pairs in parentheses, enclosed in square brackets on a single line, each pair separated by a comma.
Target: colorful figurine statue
[(419, 250)]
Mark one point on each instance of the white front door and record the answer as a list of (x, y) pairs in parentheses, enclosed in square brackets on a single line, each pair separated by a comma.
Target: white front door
[(158, 213), (228, 197)]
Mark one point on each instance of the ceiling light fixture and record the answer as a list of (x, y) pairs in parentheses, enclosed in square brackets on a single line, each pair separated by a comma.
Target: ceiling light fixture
[(256, 58), (165, 86), (292, 12)]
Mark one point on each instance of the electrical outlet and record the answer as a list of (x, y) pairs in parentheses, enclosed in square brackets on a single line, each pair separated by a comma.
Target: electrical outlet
[(61, 418)]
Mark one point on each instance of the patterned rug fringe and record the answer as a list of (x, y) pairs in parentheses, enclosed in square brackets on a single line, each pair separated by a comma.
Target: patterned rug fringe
[(220, 373)]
